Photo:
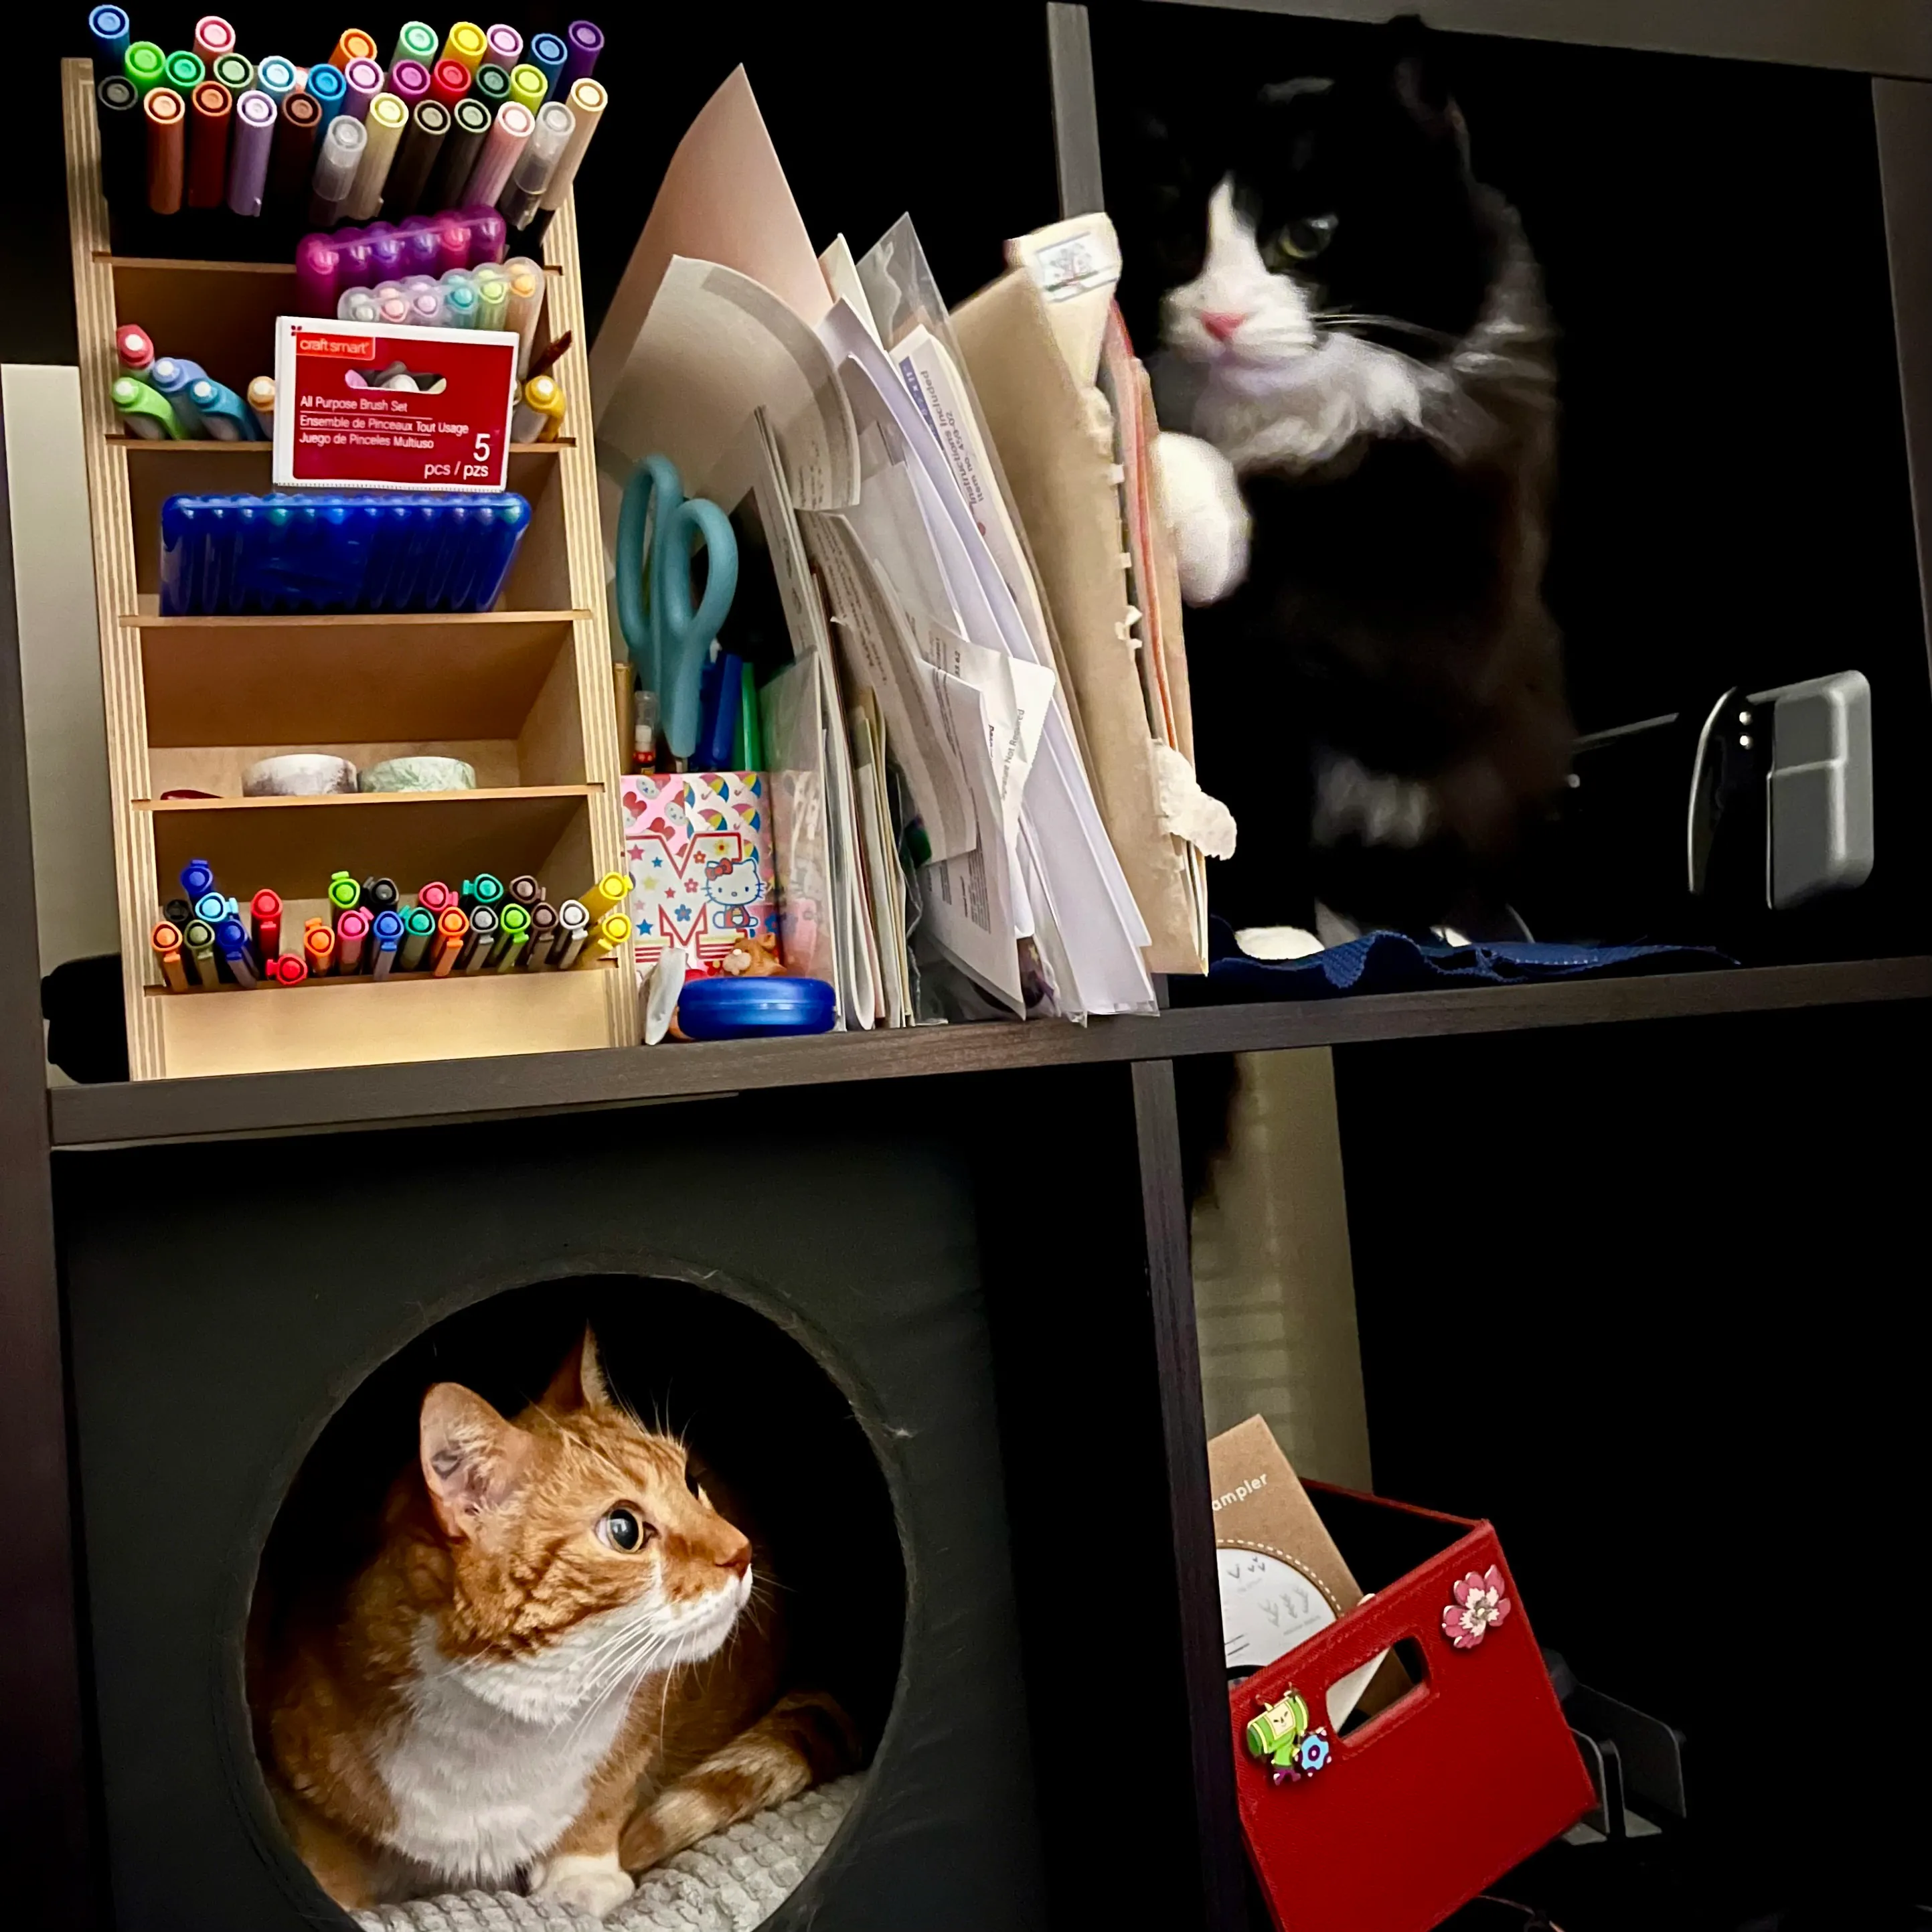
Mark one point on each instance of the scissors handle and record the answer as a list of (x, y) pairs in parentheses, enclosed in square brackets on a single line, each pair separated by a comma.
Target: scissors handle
[(655, 478), (685, 633)]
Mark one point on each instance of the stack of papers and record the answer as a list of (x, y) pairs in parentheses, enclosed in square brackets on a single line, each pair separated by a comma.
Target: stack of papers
[(935, 821)]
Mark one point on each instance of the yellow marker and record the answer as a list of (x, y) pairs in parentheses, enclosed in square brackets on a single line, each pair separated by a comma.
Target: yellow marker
[(467, 43), (539, 417), (614, 930), (612, 890)]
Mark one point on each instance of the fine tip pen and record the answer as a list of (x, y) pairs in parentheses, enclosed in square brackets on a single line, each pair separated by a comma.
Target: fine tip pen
[(613, 930), (409, 173), (319, 947), (573, 929), (167, 941), (275, 76), (613, 889), (328, 87), (124, 140), (184, 72), (364, 79), (234, 73), (452, 928), (469, 128), (520, 198), (144, 411)]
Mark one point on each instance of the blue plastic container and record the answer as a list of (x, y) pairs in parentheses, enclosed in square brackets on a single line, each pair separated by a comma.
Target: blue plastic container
[(728, 1009)]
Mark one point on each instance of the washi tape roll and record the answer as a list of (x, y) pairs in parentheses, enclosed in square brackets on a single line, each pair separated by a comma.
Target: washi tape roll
[(420, 774), (298, 774)]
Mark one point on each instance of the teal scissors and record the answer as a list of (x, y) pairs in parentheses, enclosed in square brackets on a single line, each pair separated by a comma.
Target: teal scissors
[(667, 639)]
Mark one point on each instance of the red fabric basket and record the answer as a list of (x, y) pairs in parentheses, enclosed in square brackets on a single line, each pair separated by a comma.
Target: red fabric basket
[(1433, 1798)]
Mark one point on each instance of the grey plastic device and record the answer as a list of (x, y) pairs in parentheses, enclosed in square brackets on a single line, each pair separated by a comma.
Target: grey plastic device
[(1810, 746)]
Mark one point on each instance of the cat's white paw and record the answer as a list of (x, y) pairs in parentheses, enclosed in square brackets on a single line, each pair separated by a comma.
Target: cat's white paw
[(596, 1885), (1210, 520)]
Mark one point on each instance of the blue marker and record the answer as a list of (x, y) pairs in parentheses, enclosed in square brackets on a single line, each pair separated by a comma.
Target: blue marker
[(109, 26), (547, 53), (224, 416), (276, 78), (212, 906), (197, 877), (328, 87), (171, 375), (387, 932), (231, 936)]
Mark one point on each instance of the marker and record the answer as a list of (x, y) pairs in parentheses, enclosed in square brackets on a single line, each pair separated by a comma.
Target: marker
[(144, 411), (145, 65), (550, 56), (351, 930), (587, 101), (525, 305), (167, 942), (613, 889), (452, 928), (339, 154), (178, 912), (200, 938), (509, 135), (543, 930), (123, 139), (467, 44), (416, 42), (170, 376), (213, 37), (109, 27), (224, 415), (489, 234), (292, 154), (234, 72), (529, 179), (184, 72), (516, 933), (448, 82), (524, 890), (275, 76), (539, 412), (529, 85), (197, 877), (165, 148), (380, 896), (419, 928), (288, 969), (613, 929), (327, 86), (485, 889), (248, 164), (387, 932), (265, 917), (503, 47), (461, 302), (586, 42), (365, 81), (212, 906), (354, 45), (573, 929), (262, 406), (468, 126), (436, 898), (319, 947), (408, 82), (231, 937), (386, 119), (344, 895), (491, 86), (484, 925)]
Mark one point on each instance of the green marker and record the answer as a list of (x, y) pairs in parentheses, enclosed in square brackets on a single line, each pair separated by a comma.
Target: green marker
[(491, 86), (416, 42), (146, 412), (145, 65), (185, 73), (485, 889), (236, 73), (418, 926), (344, 895), (199, 936), (513, 927)]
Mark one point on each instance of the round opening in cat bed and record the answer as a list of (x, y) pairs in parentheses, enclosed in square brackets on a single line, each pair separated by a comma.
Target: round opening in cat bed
[(586, 1576)]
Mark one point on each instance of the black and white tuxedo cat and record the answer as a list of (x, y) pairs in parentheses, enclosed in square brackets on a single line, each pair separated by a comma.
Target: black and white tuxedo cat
[(1359, 380)]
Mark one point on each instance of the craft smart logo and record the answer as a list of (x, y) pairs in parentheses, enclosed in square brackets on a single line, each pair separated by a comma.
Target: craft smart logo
[(1240, 1491), (347, 348)]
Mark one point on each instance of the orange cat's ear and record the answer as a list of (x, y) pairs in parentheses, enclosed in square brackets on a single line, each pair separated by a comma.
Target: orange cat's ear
[(473, 1460), (579, 1383)]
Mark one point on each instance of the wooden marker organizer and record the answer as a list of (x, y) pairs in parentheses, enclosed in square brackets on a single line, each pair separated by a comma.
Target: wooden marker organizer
[(522, 693)]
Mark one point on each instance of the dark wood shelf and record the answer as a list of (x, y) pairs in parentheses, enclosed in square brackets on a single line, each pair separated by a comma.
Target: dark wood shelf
[(348, 1097)]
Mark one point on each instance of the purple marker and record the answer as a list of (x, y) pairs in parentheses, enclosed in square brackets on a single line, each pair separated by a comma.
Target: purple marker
[(506, 48), (408, 82), (365, 81), (389, 252), (586, 42), (248, 160), (317, 263), (421, 247)]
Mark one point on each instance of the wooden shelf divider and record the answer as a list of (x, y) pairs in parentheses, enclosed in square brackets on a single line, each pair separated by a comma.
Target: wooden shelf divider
[(523, 693)]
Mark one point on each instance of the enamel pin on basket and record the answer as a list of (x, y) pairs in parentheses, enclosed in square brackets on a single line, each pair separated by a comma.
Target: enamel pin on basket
[(1279, 1736)]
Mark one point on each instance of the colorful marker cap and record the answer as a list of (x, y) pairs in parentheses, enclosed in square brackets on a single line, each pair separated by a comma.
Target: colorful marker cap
[(134, 349), (213, 37), (276, 77), (505, 46), (355, 44), (197, 877), (419, 922), (409, 80), (416, 42), (448, 81), (327, 86), (585, 39), (514, 918), (235, 72), (344, 894), (468, 43), (491, 86), (144, 65), (109, 27), (291, 969), (185, 72), (530, 86), (548, 53)]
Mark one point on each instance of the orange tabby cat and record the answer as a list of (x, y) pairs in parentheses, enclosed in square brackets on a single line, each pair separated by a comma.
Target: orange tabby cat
[(532, 1677)]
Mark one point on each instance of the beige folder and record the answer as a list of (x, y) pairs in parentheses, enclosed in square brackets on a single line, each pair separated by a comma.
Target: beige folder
[(1059, 458)]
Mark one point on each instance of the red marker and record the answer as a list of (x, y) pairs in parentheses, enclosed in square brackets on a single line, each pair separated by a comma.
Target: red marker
[(289, 968), (452, 927), (266, 919), (134, 350), (351, 929), (448, 81), (318, 944)]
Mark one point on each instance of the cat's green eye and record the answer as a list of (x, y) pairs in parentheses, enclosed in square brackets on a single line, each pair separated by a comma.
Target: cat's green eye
[(1300, 241), (623, 1530)]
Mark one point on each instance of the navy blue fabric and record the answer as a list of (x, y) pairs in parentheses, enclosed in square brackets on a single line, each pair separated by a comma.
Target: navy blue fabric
[(1392, 962)]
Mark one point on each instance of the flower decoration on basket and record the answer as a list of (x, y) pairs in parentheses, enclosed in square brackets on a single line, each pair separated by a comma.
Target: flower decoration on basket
[(1480, 1603), (1281, 1738)]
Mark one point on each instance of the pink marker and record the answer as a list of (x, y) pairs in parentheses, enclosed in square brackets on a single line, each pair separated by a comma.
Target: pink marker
[(505, 47), (408, 82), (213, 37), (134, 349), (351, 929), (365, 81), (509, 134)]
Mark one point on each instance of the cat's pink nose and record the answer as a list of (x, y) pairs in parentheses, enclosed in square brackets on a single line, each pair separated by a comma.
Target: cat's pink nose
[(739, 1562), (1221, 324)]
